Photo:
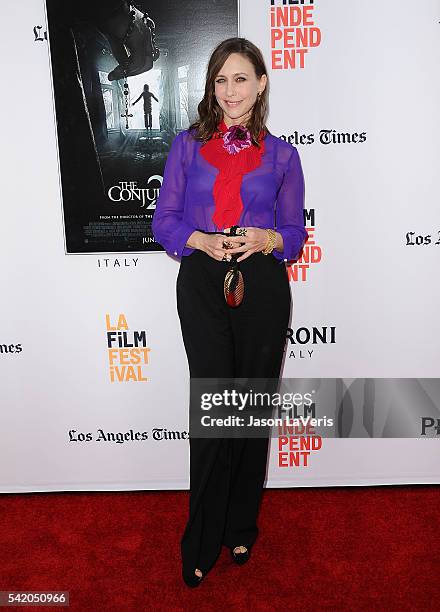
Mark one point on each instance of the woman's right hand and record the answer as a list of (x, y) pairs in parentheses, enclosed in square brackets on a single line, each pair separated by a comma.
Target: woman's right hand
[(211, 244)]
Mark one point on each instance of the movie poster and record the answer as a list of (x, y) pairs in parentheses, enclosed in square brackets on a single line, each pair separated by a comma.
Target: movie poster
[(126, 79)]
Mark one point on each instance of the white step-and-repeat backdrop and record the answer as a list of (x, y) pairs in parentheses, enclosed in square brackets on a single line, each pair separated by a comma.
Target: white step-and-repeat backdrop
[(94, 378)]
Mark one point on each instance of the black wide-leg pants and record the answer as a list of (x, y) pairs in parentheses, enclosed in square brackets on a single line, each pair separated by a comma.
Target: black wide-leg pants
[(227, 474)]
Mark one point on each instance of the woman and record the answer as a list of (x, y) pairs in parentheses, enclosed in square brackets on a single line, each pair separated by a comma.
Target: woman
[(219, 175), (147, 95)]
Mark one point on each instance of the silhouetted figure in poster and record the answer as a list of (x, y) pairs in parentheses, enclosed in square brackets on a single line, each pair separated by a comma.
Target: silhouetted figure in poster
[(147, 95)]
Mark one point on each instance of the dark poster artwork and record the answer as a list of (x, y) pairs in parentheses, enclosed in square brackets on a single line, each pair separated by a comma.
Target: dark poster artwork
[(113, 132)]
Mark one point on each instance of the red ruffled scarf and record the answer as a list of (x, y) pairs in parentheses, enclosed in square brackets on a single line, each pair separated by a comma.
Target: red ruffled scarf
[(232, 167)]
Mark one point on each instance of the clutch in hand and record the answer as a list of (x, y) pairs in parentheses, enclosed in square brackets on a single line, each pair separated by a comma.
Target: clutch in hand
[(234, 283)]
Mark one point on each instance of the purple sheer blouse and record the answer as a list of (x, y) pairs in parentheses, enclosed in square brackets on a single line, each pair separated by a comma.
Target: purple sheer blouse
[(272, 195)]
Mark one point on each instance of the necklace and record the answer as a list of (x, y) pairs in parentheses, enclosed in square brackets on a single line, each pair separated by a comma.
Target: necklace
[(235, 137)]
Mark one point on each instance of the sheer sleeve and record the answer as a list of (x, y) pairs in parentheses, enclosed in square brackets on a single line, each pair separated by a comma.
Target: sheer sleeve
[(289, 210), (168, 227)]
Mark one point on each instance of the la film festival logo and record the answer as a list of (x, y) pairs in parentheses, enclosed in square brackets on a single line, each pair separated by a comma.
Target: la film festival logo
[(298, 269), (128, 353), (293, 33)]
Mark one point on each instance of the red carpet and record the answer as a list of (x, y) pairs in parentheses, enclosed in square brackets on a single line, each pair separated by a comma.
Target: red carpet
[(354, 548)]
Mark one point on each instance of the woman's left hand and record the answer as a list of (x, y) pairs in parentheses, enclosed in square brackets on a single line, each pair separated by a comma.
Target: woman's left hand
[(254, 241)]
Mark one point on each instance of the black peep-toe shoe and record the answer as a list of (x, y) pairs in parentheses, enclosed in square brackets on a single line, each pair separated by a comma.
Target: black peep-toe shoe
[(239, 557), (192, 580)]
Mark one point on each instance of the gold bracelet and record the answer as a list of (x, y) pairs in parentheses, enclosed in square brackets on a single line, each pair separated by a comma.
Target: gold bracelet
[(270, 242)]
